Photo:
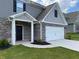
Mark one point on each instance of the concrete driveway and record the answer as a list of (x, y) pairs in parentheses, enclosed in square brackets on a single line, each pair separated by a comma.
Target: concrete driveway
[(70, 44)]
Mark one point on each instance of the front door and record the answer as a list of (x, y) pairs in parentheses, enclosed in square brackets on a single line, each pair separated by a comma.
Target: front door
[(18, 33)]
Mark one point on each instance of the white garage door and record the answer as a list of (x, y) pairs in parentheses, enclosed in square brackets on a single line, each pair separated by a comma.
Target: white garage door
[(54, 33)]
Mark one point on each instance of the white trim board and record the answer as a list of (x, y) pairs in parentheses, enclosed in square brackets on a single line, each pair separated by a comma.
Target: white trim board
[(22, 20), (54, 23)]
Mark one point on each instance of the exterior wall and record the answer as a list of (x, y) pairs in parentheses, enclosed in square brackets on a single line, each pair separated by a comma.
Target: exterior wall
[(44, 26), (34, 11), (5, 29), (26, 29), (6, 8), (77, 21), (77, 28), (51, 18), (37, 31), (69, 28)]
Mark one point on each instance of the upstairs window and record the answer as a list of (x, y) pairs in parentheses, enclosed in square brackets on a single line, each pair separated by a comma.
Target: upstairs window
[(56, 13), (19, 6)]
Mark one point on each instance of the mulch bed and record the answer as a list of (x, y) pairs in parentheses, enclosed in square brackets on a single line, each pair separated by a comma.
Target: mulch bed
[(41, 43)]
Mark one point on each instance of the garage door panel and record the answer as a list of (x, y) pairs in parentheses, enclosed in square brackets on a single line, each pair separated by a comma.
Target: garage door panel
[(54, 33)]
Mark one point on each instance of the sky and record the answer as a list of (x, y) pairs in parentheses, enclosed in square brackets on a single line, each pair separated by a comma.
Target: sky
[(66, 5)]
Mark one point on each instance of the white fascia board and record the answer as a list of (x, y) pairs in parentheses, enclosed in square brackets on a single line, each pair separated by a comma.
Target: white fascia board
[(16, 15), (54, 23), (22, 20)]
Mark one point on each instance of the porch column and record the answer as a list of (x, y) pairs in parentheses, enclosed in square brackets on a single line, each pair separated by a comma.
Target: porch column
[(13, 33), (74, 27), (32, 32)]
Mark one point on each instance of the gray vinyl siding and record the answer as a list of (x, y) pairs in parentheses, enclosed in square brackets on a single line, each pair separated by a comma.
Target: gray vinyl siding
[(36, 31), (34, 11), (44, 12), (6, 8), (44, 30), (56, 20)]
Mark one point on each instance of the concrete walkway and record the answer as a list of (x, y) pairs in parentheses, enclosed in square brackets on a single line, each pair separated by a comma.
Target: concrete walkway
[(28, 44), (69, 44)]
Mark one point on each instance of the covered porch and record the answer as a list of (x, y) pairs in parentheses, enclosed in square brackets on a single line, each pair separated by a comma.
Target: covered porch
[(22, 27)]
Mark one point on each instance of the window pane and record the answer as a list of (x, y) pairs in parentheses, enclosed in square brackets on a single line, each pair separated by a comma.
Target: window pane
[(19, 6)]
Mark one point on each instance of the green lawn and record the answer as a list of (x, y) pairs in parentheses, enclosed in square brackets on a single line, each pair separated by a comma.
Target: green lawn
[(21, 52), (72, 36)]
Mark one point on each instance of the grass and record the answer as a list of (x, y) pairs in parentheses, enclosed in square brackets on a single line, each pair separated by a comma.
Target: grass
[(22, 52), (72, 36)]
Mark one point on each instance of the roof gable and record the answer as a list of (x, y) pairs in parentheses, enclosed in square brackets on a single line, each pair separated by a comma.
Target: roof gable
[(72, 17), (49, 17), (24, 16)]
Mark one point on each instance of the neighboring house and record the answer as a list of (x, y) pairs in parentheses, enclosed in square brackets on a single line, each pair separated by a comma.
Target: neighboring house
[(73, 22), (36, 22)]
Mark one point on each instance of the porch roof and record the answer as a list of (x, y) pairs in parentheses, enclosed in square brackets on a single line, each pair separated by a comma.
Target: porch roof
[(22, 16)]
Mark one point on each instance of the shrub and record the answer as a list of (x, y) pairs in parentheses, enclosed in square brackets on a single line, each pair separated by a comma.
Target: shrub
[(4, 43)]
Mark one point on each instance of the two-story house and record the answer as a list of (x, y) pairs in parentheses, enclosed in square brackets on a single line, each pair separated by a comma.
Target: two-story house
[(29, 21)]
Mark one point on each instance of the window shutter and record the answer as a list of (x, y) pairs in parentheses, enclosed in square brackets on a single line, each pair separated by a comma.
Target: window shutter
[(14, 5), (24, 6), (55, 13)]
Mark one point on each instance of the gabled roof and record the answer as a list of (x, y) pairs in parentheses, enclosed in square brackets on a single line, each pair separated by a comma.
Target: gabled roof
[(72, 14), (23, 15), (72, 17), (45, 11)]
